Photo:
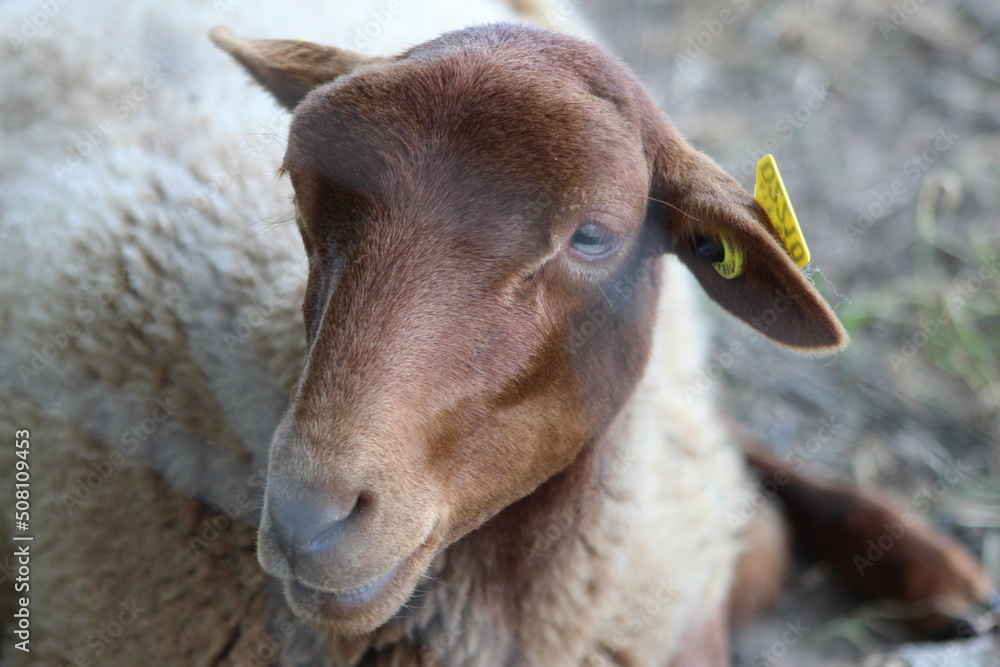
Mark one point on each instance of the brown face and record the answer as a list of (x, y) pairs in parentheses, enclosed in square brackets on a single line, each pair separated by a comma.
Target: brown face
[(467, 209), (447, 279)]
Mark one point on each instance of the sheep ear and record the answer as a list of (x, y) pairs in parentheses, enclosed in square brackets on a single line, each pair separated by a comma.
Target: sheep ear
[(289, 69), (703, 211)]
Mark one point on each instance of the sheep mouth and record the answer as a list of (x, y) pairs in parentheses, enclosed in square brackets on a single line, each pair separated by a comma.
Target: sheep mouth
[(332, 604), (362, 609)]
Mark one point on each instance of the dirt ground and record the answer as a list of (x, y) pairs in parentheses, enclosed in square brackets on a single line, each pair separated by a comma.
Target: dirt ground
[(884, 119)]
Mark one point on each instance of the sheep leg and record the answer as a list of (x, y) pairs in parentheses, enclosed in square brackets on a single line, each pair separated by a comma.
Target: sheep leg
[(881, 550)]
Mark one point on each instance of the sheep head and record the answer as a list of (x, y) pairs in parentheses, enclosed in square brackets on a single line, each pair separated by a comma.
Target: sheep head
[(466, 207)]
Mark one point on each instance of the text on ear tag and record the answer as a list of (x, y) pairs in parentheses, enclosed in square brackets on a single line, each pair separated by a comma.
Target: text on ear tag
[(770, 193), (731, 264)]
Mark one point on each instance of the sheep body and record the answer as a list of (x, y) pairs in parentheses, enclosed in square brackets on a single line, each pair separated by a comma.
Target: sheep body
[(152, 310)]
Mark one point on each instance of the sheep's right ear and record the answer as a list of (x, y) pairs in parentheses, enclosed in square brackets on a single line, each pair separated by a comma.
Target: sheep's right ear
[(288, 68)]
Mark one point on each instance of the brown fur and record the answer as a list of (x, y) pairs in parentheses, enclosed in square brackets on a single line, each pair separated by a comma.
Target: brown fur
[(940, 584)]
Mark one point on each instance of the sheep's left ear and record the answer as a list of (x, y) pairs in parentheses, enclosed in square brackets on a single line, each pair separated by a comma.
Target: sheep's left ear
[(288, 68), (702, 209)]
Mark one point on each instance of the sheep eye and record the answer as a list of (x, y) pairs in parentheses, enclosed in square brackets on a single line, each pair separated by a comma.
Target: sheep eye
[(593, 241)]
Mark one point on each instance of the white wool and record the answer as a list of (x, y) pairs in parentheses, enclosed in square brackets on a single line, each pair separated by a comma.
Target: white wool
[(686, 476)]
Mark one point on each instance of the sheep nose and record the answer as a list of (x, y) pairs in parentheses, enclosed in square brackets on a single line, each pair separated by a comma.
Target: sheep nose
[(309, 522)]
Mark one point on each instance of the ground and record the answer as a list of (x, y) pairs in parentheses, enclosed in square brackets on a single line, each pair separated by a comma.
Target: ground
[(884, 119)]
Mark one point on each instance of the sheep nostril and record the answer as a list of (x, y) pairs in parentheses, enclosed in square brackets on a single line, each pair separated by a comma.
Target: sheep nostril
[(312, 522), (334, 531)]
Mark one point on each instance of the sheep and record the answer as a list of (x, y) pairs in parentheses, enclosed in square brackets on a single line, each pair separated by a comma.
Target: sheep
[(556, 502), (455, 407)]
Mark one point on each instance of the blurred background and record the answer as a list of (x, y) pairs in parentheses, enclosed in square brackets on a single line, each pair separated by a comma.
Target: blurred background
[(884, 119)]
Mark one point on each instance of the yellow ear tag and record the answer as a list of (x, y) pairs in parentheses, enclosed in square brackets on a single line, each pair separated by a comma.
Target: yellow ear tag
[(732, 264), (770, 193)]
